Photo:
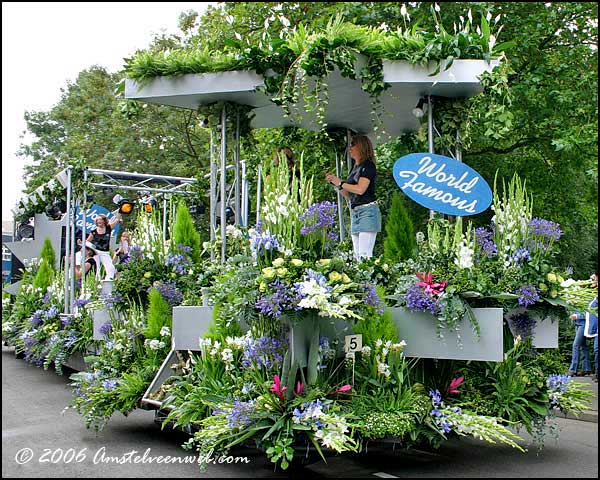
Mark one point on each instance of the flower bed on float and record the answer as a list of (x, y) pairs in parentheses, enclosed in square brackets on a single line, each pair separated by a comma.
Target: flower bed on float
[(271, 369)]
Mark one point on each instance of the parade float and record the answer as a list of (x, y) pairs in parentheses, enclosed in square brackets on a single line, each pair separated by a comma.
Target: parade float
[(272, 335)]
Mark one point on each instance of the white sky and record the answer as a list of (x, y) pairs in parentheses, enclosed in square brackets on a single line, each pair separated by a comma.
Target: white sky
[(46, 44)]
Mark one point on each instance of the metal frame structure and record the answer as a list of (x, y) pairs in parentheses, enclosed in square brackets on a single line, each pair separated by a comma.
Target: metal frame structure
[(113, 180)]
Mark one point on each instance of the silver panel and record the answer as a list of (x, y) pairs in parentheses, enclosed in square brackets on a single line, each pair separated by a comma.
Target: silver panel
[(419, 332), (189, 324)]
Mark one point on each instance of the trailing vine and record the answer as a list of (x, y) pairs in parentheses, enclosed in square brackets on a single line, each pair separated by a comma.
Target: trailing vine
[(289, 64)]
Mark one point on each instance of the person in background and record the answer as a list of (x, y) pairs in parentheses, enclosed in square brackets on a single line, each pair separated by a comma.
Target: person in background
[(122, 253), (580, 350), (359, 187), (90, 263), (591, 323), (100, 237), (287, 154)]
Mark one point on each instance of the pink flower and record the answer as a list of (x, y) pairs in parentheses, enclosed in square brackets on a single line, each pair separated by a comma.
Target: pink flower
[(431, 288), (277, 388), (454, 384), (343, 389), (299, 389)]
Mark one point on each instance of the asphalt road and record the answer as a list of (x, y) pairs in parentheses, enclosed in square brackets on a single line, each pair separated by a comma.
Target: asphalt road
[(40, 440)]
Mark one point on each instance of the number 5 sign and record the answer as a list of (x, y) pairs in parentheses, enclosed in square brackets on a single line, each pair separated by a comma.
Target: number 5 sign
[(353, 343)]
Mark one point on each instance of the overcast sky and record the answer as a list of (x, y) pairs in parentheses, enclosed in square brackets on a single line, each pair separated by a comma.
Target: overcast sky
[(46, 44)]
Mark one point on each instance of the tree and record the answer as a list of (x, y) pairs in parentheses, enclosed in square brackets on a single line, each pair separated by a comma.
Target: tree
[(185, 233), (47, 253), (399, 243)]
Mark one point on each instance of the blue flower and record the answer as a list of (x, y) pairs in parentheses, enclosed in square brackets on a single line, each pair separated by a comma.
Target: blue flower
[(528, 295)]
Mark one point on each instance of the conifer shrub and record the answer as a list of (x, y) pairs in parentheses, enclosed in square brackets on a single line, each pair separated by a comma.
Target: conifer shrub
[(185, 233), (399, 243)]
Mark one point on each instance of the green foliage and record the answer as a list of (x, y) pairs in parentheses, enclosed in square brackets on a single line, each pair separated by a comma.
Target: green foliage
[(399, 243), (185, 233), (159, 314), (43, 277), (48, 253), (377, 326)]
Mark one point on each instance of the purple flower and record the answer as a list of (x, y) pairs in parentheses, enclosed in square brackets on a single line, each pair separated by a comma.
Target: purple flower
[(70, 339), (372, 299), (280, 299), (80, 302), (520, 256), (318, 217), (262, 352), (135, 253), (545, 229), (37, 318), (418, 301), (528, 295), (558, 382), (109, 384), (239, 416), (110, 300), (523, 324), (169, 292), (184, 248), (179, 262), (106, 328), (484, 238), (52, 312), (262, 243)]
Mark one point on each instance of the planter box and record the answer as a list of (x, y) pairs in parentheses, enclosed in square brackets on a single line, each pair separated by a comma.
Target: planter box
[(545, 331), (189, 324), (100, 317), (419, 332)]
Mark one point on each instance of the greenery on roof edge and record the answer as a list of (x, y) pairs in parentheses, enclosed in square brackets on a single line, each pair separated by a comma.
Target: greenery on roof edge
[(317, 52)]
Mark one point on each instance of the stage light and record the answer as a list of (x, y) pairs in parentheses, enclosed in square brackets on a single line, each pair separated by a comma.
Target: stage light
[(25, 230), (149, 203), (125, 206), (420, 109), (56, 210)]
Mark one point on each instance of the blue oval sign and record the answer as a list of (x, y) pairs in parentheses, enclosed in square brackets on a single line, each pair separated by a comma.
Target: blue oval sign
[(442, 184), (90, 218)]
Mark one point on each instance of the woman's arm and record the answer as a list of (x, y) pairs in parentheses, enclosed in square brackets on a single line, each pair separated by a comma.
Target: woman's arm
[(359, 189), (116, 219)]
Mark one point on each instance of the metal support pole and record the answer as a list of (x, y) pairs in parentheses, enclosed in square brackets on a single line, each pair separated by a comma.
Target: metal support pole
[(68, 259), (212, 193), (237, 185), (83, 229), (223, 179), (72, 264), (430, 134), (340, 198), (458, 148), (348, 142), (164, 220), (244, 192), (258, 193)]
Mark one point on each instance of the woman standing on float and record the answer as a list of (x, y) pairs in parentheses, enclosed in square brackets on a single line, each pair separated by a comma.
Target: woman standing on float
[(100, 237), (365, 216)]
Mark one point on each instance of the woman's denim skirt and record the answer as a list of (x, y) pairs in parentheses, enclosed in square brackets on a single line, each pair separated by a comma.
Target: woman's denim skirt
[(365, 218)]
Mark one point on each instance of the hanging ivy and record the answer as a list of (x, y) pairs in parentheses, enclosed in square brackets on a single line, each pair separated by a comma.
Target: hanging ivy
[(298, 65)]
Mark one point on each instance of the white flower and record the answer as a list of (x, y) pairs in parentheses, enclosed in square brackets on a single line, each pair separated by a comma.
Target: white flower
[(227, 355), (165, 332), (278, 262), (366, 350)]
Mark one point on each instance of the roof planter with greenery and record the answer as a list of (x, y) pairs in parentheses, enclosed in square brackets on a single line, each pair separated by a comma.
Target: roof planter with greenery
[(287, 62)]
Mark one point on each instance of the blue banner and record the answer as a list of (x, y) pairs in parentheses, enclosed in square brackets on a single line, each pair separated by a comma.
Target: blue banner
[(91, 216), (442, 184)]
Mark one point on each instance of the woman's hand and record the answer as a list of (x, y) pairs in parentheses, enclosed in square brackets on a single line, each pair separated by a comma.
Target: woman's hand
[(333, 179)]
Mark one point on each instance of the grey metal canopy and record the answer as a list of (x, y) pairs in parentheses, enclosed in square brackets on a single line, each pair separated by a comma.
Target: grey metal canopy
[(348, 106)]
